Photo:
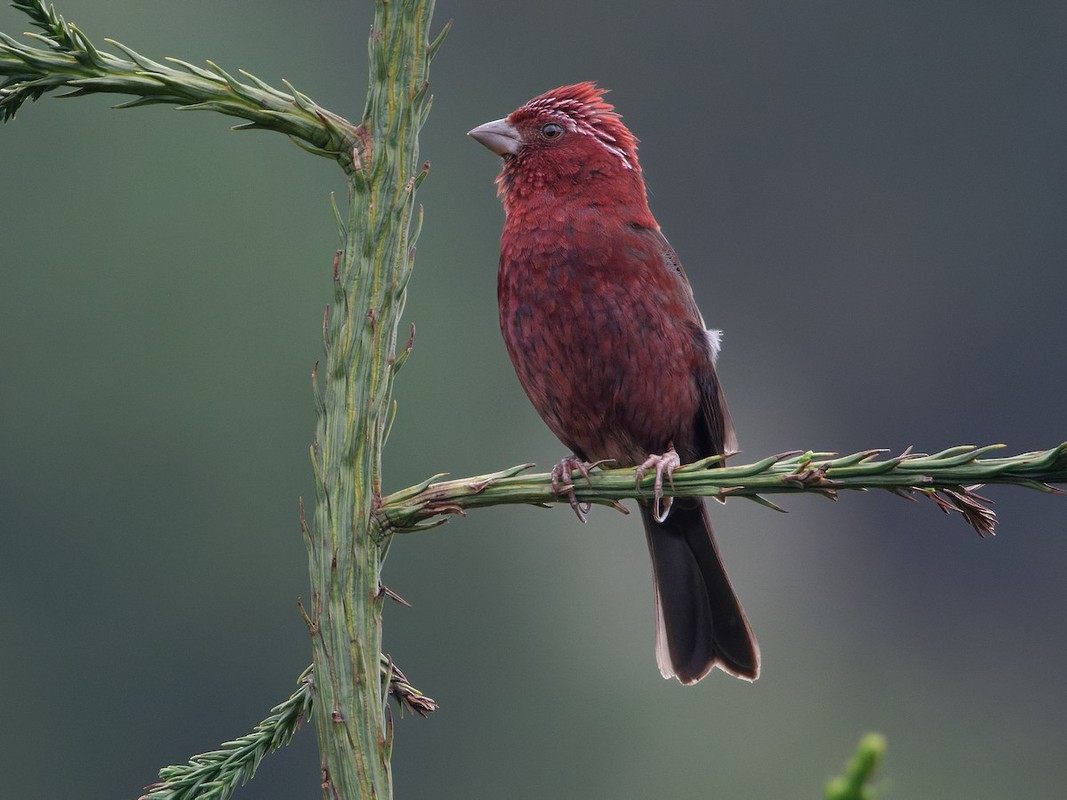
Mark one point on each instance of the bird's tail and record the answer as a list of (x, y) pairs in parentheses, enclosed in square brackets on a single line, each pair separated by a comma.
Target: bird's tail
[(700, 624)]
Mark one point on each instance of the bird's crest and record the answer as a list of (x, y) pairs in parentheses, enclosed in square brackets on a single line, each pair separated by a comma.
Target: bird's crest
[(582, 108)]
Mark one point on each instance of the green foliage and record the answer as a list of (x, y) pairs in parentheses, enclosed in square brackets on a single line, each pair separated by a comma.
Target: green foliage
[(854, 784), (69, 61), (216, 775)]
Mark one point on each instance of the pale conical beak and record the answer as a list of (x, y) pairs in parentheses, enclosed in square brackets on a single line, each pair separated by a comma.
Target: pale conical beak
[(500, 136)]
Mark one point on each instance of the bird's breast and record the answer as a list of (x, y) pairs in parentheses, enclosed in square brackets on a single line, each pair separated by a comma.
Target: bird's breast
[(603, 349)]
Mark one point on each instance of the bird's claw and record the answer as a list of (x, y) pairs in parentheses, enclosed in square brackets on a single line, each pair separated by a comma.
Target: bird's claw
[(664, 464), (563, 484)]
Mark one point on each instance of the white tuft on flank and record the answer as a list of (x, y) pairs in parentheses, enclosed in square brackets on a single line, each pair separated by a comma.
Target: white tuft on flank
[(715, 343)]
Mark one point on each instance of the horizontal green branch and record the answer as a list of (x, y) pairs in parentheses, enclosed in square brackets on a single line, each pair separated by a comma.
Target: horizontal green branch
[(949, 478), (70, 63)]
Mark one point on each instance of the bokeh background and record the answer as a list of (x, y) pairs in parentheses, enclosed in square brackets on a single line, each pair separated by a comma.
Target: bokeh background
[(870, 199)]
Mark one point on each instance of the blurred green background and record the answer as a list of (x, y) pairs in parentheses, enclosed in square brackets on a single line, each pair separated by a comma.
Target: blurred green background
[(870, 199)]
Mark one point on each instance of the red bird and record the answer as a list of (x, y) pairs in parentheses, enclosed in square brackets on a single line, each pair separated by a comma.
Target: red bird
[(607, 341)]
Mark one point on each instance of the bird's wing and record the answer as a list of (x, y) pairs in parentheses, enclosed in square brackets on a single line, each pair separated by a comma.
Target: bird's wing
[(716, 434)]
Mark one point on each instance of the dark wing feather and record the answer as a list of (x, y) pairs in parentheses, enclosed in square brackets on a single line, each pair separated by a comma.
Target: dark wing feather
[(714, 430)]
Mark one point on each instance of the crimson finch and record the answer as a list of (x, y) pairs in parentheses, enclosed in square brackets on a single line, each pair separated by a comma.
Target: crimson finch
[(606, 338)]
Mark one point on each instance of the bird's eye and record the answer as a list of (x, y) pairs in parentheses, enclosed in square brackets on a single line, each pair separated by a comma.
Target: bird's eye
[(551, 130)]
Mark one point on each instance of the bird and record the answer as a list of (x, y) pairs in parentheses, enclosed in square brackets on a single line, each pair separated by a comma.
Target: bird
[(604, 332)]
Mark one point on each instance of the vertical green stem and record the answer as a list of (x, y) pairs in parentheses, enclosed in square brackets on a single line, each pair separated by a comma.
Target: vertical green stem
[(353, 399)]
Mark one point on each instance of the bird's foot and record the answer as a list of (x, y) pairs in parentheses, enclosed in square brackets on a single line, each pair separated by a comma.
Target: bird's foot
[(563, 484), (664, 464)]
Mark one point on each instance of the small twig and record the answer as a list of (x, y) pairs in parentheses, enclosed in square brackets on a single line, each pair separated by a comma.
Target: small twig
[(407, 696)]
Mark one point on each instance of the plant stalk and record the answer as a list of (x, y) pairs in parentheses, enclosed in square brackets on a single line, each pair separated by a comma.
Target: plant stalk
[(354, 406)]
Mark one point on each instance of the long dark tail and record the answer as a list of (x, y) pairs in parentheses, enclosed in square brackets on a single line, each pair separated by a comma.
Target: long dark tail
[(700, 624)]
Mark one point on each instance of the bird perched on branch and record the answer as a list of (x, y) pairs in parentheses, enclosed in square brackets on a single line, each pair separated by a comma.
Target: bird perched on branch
[(601, 325)]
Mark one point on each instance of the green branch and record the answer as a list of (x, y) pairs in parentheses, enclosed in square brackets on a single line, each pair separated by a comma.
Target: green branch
[(72, 64), (949, 478), (855, 783), (216, 775)]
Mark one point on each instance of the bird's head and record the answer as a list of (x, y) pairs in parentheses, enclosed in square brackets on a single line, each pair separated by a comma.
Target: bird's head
[(565, 141)]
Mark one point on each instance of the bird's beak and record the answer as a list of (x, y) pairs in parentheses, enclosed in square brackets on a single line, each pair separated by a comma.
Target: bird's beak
[(500, 136)]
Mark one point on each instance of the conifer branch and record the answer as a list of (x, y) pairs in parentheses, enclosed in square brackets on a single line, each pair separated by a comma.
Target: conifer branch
[(949, 478), (215, 775), (70, 63)]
